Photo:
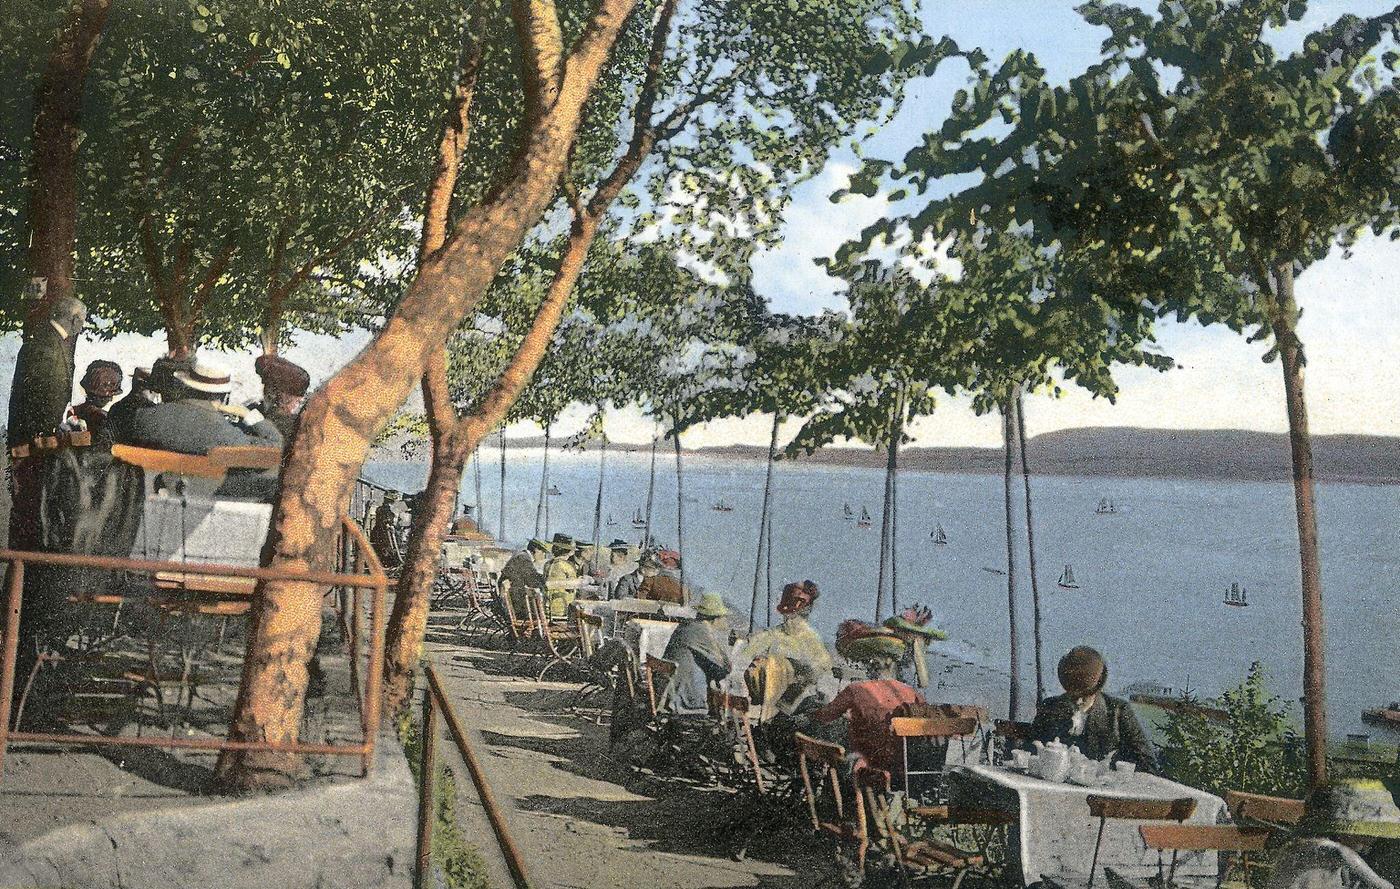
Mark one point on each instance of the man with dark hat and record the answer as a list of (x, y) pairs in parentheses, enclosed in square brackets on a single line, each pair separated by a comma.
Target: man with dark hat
[(384, 531), (284, 391), (1084, 716), (142, 395), (523, 575), (101, 382), (622, 580), (656, 585)]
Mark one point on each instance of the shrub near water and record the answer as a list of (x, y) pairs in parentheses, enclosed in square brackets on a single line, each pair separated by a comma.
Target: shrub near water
[(1255, 750)]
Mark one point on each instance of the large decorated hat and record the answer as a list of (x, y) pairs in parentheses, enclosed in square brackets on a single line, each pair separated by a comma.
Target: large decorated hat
[(797, 596), (857, 640), (669, 558), (1361, 807), (283, 375), (916, 620)]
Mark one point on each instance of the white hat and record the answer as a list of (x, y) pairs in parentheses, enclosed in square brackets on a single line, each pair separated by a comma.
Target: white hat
[(206, 375)]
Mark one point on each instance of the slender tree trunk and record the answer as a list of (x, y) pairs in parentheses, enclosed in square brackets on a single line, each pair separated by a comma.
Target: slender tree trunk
[(768, 569), (887, 519), (1030, 547), (1008, 437), (680, 504), (651, 492), (763, 520), (542, 508), (881, 582), (893, 470), (502, 524), (1283, 320), (53, 193), (476, 480), (598, 503)]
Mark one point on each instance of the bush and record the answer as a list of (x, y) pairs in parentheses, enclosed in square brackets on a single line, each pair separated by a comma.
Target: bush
[(1255, 750)]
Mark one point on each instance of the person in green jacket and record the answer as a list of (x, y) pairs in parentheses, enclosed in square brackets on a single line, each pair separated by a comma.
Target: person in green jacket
[(562, 569)]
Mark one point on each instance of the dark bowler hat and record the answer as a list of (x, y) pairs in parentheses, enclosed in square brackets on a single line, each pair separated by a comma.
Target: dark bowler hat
[(619, 544), (1083, 672), (283, 375), (103, 379), (563, 544)]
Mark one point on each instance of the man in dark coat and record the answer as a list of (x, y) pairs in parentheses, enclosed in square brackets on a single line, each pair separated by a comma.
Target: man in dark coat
[(195, 418), (102, 381), (142, 395), (44, 372), (1086, 717), (284, 391), (384, 532)]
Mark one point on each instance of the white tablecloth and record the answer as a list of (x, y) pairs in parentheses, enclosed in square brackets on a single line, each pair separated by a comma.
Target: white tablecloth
[(221, 532), (1055, 832)]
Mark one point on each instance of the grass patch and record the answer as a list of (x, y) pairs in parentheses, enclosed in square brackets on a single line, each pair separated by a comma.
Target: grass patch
[(460, 861)]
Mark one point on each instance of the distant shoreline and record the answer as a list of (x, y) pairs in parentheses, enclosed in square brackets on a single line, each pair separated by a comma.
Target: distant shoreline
[(1109, 452)]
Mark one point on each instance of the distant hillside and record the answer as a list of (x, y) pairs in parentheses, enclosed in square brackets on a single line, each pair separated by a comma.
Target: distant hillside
[(1119, 451)]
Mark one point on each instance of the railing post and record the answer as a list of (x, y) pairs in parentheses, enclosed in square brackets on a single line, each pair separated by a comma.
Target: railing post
[(427, 773), (14, 587)]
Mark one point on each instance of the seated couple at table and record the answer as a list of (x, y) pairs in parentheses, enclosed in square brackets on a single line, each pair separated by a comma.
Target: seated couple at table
[(1084, 716)]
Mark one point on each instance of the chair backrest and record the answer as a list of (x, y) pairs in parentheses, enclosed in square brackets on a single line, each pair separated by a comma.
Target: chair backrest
[(589, 626), (653, 667), (828, 757), (156, 461), (1204, 837), (1012, 731), (723, 704), (245, 457), (512, 619), (1139, 809), (1245, 807), (934, 728)]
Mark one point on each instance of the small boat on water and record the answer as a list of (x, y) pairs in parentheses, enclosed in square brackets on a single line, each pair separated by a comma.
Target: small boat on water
[(611, 521), (864, 520), (1388, 716), (554, 491), (1237, 596), (637, 520), (996, 571), (1067, 581), (721, 506), (847, 513), (1106, 506), (938, 536)]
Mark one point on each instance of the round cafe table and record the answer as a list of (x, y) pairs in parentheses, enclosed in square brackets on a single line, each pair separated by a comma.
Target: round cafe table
[(1054, 833)]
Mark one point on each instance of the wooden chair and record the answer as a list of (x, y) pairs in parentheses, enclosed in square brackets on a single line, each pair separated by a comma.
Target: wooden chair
[(157, 461), (1178, 838), (1133, 809), (937, 729), (734, 710), (1258, 809), (561, 641), (850, 830), (1012, 734), (653, 667)]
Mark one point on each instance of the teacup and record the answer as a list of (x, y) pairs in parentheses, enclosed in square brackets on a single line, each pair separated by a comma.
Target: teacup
[(1021, 760), (1125, 767)]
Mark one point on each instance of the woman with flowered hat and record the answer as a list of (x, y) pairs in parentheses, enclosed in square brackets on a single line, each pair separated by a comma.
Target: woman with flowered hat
[(1347, 839), (868, 704)]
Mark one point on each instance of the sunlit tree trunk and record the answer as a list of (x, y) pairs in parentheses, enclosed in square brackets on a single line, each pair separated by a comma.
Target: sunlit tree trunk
[(1283, 319), (763, 523), (651, 492), (1030, 547), (1008, 436), (340, 420)]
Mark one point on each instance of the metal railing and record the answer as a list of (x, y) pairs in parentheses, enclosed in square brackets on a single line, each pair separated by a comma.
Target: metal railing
[(434, 700), (365, 574)]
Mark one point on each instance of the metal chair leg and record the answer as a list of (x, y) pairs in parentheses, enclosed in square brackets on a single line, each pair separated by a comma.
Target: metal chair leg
[(1094, 865)]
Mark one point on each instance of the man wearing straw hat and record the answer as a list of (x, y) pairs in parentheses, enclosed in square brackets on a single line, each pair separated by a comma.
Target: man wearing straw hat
[(870, 703), (698, 647), (1346, 840)]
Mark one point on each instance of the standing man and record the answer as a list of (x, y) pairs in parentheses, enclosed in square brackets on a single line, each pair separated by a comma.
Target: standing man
[(284, 391), (620, 568)]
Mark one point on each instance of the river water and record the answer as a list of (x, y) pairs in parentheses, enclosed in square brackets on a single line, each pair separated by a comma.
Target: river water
[(1152, 576)]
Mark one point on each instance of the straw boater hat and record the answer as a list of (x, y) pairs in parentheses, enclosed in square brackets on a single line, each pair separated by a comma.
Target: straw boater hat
[(916, 621), (1083, 672), (103, 379), (797, 596), (1359, 807), (711, 605), (206, 375), (857, 640)]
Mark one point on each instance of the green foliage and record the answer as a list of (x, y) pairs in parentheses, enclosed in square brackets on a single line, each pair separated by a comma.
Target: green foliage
[(461, 862), (1254, 749)]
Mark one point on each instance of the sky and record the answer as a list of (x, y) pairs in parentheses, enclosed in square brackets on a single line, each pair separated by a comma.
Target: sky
[(1350, 325)]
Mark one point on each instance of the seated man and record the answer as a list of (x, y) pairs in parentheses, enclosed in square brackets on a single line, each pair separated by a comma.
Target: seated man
[(622, 580), (699, 649), (1087, 718), (523, 576), (1341, 841), (655, 585), (194, 417), (102, 382), (869, 704), (562, 573), (142, 395)]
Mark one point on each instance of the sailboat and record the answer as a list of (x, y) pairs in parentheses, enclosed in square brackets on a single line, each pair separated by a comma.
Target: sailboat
[(864, 520), (938, 536), (721, 506), (637, 520), (1067, 581), (1106, 506), (1237, 596), (611, 521), (847, 513), (554, 491)]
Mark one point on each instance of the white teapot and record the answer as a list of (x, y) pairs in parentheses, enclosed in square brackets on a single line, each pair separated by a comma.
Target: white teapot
[(1053, 761)]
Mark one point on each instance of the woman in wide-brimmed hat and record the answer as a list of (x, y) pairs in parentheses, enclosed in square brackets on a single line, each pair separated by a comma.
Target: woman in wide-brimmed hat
[(1087, 717), (1349, 838), (785, 663), (868, 704)]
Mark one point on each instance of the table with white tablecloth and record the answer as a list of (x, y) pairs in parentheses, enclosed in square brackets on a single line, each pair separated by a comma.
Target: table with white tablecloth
[(1054, 833)]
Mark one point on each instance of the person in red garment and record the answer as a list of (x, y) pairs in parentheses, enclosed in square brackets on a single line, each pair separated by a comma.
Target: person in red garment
[(868, 704)]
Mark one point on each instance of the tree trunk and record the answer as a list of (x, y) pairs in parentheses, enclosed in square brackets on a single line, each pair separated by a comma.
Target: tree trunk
[(53, 193), (476, 480), (502, 524), (340, 420), (1030, 548), (1283, 319), (680, 504), (542, 507), (768, 569), (887, 517), (893, 470), (763, 521), (598, 503), (1008, 439), (651, 493)]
